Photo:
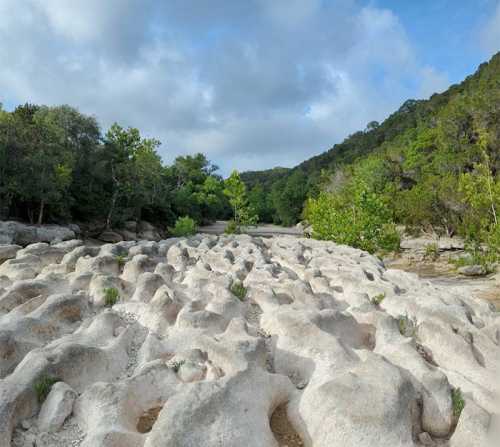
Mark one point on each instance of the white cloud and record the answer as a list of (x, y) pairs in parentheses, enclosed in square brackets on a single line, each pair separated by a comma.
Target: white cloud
[(236, 80), (432, 81)]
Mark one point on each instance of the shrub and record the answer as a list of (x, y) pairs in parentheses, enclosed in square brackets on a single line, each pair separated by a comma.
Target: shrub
[(361, 220), (431, 251), (458, 402), (111, 296), (43, 387), (407, 326), (184, 226), (377, 299), (232, 228), (176, 365), (121, 259), (238, 290)]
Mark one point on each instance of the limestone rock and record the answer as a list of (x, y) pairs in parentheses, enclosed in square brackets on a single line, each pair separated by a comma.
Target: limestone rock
[(56, 408), (180, 360)]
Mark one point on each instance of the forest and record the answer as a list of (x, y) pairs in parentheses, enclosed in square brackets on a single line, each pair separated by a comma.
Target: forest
[(57, 166), (432, 165)]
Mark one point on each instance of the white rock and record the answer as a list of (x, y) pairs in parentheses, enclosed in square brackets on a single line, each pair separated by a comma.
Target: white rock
[(57, 407)]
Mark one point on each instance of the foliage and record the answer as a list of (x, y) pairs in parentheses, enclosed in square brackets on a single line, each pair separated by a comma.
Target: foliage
[(235, 190), (431, 251), (239, 290), (184, 226), (377, 299), (433, 164), (354, 217), (121, 259), (458, 402), (111, 296), (43, 386), (232, 228), (407, 326), (176, 365)]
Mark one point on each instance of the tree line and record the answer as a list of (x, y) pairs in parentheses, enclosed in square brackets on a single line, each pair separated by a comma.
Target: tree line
[(57, 166)]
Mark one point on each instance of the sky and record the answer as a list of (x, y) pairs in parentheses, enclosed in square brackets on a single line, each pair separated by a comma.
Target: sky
[(253, 84)]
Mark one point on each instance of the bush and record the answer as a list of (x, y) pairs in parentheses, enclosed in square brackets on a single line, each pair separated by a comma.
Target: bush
[(377, 299), (238, 290), (360, 219), (457, 401), (111, 296), (232, 228), (184, 226), (431, 251), (43, 387)]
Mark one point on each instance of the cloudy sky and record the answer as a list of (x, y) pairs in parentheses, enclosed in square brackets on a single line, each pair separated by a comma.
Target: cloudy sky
[(251, 83)]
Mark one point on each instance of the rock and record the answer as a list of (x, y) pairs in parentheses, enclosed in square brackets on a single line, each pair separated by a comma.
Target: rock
[(425, 439), (172, 344), (21, 234), (110, 236), (472, 270), (56, 408), (8, 251)]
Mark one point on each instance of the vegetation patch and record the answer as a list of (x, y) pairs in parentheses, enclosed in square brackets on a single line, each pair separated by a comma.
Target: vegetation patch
[(43, 386), (377, 299), (184, 226), (458, 402), (431, 252), (111, 296), (407, 326), (239, 290)]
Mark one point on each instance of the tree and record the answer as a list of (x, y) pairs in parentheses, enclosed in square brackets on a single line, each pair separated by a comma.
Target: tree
[(289, 200), (235, 190)]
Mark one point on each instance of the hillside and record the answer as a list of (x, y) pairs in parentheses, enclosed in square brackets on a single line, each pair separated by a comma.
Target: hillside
[(453, 125)]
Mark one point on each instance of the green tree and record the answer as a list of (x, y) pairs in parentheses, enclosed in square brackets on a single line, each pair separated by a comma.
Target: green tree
[(235, 190)]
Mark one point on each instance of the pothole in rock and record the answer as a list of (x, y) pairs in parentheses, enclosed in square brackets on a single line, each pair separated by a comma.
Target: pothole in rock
[(148, 419), (283, 431)]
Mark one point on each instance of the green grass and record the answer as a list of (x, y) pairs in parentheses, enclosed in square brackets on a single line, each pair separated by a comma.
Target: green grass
[(458, 402), (111, 296), (407, 326), (121, 259), (431, 251), (239, 290), (43, 387), (377, 299)]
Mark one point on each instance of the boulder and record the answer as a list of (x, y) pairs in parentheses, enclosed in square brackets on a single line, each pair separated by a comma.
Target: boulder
[(22, 234), (110, 236), (472, 270), (56, 408), (8, 251)]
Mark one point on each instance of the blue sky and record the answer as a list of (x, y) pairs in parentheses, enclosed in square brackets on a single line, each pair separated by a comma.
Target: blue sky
[(251, 83)]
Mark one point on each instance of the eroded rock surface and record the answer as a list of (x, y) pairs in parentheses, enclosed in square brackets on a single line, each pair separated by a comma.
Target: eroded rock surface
[(204, 341)]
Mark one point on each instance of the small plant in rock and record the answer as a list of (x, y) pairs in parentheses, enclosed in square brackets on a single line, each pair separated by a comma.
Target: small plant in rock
[(43, 386), (232, 228), (407, 326), (239, 290), (184, 226), (121, 259), (176, 365), (111, 296), (377, 299), (458, 402), (431, 252)]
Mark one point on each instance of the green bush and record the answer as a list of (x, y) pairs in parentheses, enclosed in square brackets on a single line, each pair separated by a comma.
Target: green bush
[(377, 299), (111, 296), (184, 226), (238, 290), (457, 401), (356, 218), (431, 251), (121, 259), (232, 228), (43, 386)]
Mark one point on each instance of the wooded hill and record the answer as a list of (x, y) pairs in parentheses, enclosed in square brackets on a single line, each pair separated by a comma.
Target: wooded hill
[(414, 158)]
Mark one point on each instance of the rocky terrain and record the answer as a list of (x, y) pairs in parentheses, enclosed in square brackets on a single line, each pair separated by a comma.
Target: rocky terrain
[(238, 341)]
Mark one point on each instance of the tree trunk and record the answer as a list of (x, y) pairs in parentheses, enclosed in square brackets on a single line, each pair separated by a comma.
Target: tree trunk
[(111, 209), (40, 213)]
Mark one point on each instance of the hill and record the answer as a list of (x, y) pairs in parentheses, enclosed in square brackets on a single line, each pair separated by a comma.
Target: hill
[(443, 135)]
